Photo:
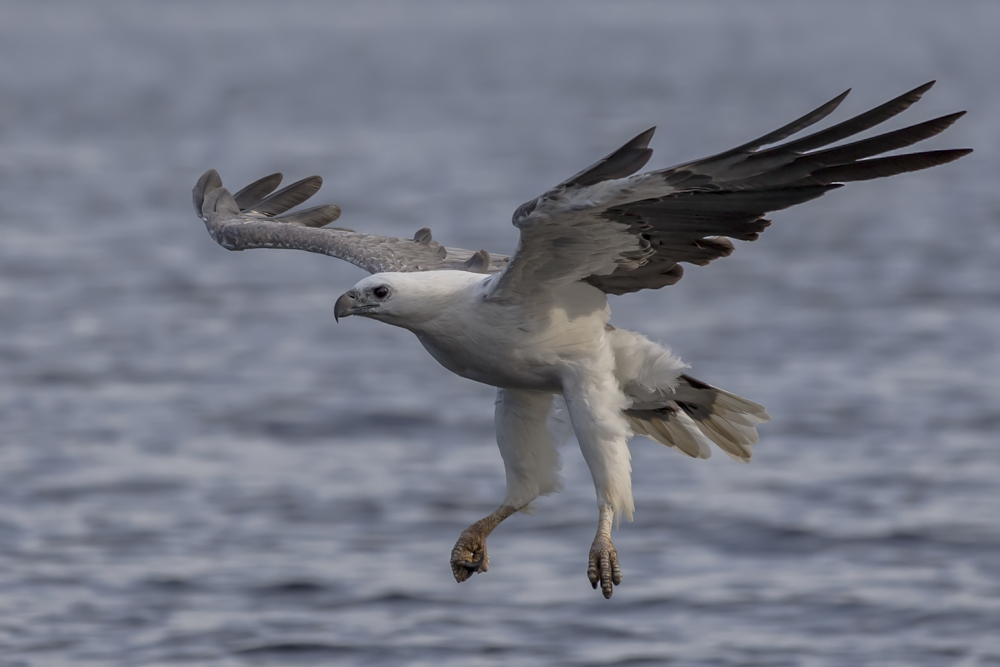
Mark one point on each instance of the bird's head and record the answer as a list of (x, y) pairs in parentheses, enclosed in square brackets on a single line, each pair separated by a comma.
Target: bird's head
[(403, 299)]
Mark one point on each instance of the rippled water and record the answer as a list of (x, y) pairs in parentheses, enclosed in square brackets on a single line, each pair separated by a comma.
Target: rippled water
[(198, 466)]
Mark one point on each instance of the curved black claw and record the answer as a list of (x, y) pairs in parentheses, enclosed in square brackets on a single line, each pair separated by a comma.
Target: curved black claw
[(603, 566), (469, 556)]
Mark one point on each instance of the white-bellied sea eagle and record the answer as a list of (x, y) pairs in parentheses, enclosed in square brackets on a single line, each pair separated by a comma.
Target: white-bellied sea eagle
[(536, 324)]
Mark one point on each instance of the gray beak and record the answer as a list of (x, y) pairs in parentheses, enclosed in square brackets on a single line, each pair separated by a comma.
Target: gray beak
[(344, 306)]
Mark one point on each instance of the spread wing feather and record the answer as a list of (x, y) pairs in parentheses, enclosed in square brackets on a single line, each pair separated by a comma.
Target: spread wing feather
[(618, 230), (622, 232), (625, 161), (255, 218), (256, 191)]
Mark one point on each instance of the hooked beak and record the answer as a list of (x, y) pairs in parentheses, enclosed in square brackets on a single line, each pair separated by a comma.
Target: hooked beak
[(344, 306)]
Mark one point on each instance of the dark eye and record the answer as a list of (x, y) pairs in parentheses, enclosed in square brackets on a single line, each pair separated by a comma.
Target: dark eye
[(381, 292)]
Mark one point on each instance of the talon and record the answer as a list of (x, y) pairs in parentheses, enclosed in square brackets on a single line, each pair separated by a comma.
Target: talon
[(472, 543), (464, 561), (474, 565), (603, 567)]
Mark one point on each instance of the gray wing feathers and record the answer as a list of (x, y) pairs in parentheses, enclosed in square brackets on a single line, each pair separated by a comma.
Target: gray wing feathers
[(728, 194), (693, 227), (252, 219), (256, 191), (288, 197), (219, 203), (317, 216), (207, 182), (618, 230), (625, 161), (797, 125)]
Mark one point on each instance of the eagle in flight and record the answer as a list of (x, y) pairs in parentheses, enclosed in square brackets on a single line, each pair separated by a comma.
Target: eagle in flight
[(536, 324)]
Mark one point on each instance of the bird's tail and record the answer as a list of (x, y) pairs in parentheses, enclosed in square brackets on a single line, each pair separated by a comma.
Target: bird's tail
[(677, 410), (669, 425), (696, 413)]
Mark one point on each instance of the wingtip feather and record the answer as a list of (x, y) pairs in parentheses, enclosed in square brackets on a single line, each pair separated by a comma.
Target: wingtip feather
[(205, 184), (256, 191), (219, 203), (642, 139), (317, 216), (288, 197)]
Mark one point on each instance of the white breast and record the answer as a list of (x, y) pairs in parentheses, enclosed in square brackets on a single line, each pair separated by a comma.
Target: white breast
[(518, 346)]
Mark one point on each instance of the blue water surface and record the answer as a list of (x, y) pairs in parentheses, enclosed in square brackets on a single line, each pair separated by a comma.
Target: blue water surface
[(199, 467)]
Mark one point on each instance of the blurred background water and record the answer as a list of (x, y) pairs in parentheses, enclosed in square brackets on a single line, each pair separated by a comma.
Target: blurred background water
[(197, 466)]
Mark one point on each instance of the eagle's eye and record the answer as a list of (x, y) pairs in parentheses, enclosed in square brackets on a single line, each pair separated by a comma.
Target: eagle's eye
[(381, 292)]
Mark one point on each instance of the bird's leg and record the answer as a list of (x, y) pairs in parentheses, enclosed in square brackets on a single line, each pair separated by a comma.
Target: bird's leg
[(603, 567), (469, 555)]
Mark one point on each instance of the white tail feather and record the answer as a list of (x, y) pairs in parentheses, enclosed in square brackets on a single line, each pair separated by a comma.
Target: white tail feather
[(670, 426), (676, 409), (703, 413)]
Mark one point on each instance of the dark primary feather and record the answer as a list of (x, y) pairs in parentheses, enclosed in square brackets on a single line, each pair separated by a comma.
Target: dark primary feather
[(728, 194), (847, 154), (859, 123), (866, 170), (884, 143), (796, 126), (625, 161), (692, 227), (256, 191), (288, 197), (317, 216)]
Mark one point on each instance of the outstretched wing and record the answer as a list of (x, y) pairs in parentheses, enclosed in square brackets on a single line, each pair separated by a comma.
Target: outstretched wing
[(622, 232), (256, 218)]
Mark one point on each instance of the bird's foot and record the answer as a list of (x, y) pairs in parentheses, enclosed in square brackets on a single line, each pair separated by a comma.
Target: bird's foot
[(469, 555), (603, 568)]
